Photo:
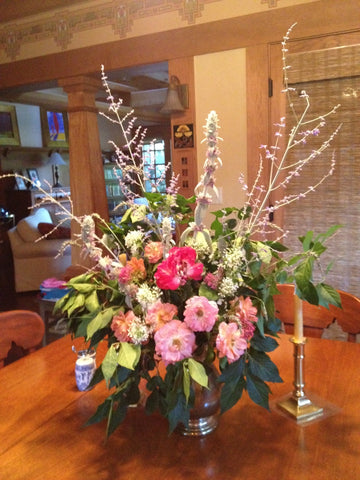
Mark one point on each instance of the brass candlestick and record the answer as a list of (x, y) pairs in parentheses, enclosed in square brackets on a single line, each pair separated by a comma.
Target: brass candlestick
[(298, 405)]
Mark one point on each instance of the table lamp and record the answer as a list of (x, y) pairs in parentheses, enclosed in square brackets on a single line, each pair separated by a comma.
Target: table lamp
[(56, 159)]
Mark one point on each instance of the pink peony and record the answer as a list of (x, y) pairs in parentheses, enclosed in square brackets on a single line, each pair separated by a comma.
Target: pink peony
[(177, 268), (174, 342), (154, 251), (230, 342), (200, 314), (159, 314), (120, 325), (246, 313)]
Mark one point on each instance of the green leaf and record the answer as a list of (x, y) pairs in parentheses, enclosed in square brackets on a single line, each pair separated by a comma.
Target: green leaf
[(308, 292), (102, 412), (197, 372), (116, 417), (180, 413), (303, 272), (231, 393), (129, 355), (84, 287), (186, 381), (101, 320), (233, 371), (262, 367), (207, 292), (79, 302), (92, 302), (138, 213), (307, 240), (258, 391), (59, 305), (264, 252), (110, 362), (328, 295), (264, 344)]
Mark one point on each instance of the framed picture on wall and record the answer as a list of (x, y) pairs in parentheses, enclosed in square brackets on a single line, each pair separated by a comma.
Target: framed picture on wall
[(9, 130), (183, 136), (55, 128)]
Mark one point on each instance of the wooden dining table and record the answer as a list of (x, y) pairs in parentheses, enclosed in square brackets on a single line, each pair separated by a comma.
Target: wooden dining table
[(42, 433)]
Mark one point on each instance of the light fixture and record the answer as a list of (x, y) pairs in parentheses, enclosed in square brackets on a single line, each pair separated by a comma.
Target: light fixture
[(56, 159), (173, 103)]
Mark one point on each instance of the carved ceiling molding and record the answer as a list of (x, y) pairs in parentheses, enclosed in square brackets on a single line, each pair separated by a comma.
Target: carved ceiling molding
[(271, 3), (118, 15)]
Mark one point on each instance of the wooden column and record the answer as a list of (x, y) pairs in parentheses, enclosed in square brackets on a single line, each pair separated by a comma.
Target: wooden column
[(87, 181)]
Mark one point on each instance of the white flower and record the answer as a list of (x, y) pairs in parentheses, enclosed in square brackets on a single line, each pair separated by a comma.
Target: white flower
[(227, 287), (138, 331), (234, 258), (146, 295), (134, 240)]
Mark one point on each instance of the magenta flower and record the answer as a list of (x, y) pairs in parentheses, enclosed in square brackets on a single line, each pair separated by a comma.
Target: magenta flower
[(230, 342), (174, 342), (200, 314), (177, 268)]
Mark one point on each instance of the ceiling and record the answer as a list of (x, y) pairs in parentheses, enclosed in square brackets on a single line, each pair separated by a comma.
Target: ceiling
[(141, 88)]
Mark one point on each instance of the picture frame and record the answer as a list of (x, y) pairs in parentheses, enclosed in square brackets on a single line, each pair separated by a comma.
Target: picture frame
[(33, 176), (20, 182), (183, 135), (9, 129), (55, 128)]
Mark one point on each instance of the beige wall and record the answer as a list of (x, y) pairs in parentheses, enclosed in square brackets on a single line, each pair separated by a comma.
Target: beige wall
[(95, 22), (220, 85)]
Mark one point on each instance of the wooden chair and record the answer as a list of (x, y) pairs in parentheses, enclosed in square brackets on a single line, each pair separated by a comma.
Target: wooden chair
[(335, 323), (21, 331)]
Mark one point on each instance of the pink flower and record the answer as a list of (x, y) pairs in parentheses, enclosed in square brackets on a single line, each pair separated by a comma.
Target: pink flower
[(174, 342), (200, 314), (177, 268), (211, 280), (246, 313), (125, 274), (120, 325), (53, 283), (159, 314), (230, 342), (154, 251)]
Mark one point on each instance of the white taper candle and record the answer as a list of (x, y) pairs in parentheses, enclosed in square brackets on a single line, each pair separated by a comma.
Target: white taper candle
[(298, 320)]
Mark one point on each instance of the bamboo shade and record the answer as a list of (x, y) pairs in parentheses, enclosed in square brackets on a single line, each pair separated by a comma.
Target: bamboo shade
[(330, 77)]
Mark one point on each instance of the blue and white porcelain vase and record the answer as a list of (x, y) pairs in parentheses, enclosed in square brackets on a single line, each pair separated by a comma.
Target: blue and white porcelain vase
[(85, 367)]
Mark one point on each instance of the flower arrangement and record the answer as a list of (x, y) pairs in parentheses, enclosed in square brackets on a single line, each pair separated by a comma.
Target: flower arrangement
[(171, 296)]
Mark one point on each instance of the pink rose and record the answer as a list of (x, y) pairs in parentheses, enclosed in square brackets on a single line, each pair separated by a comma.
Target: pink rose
[(200, 314), (120, 325), (159, 314), (174, 342), (154, 251), (177, 268), (230, 342)]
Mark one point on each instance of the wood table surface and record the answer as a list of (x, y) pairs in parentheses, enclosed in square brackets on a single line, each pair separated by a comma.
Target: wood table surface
[(42, 435)]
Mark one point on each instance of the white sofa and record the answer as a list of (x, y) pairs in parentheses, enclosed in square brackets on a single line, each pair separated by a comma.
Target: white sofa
[(34, 261)]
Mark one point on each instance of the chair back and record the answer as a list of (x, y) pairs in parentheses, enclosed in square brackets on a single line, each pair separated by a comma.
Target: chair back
[(21, 327), (320, 320)]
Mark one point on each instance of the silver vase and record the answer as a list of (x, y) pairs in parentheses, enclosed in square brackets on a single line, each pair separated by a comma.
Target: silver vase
[(204, 416)]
